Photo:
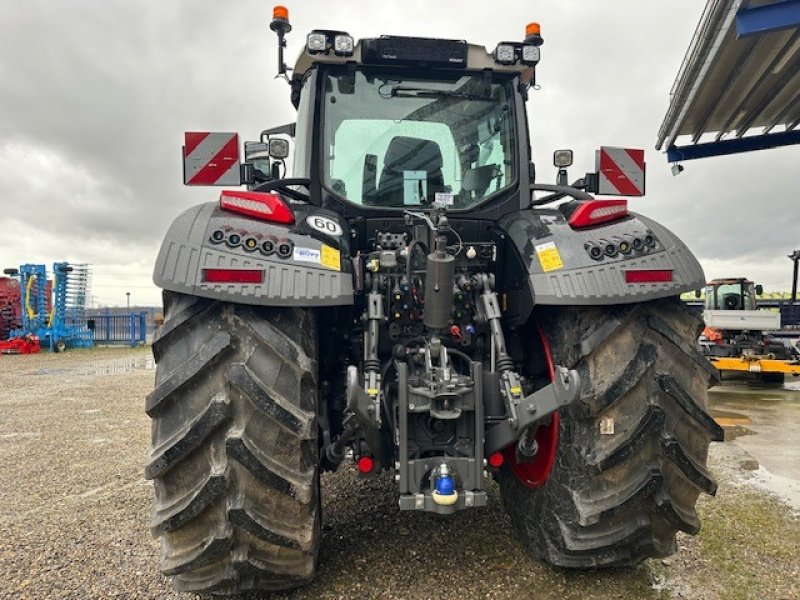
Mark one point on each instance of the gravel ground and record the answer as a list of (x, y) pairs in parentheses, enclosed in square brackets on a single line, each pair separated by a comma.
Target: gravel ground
[(75, 510)]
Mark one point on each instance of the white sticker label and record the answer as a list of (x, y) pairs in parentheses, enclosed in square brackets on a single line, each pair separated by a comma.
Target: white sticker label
[(306, 254), (607, 426), (325, 225), (443, 199)]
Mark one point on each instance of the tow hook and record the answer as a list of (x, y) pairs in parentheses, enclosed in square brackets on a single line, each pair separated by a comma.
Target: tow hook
[(444, 489)]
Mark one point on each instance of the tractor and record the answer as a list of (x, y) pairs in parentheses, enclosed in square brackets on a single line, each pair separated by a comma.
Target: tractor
[(411, 299), (736, 338)]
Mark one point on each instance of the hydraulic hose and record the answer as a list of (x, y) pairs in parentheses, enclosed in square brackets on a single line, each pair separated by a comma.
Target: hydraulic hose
[(28, 309)]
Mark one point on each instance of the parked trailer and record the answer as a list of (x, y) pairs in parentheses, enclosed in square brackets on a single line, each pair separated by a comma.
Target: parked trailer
[(10, 309)]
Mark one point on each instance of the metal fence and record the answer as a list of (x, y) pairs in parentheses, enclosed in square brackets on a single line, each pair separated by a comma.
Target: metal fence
[(113, 329)]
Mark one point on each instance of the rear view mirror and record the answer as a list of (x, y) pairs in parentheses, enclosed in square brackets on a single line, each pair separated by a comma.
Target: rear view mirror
[(255, 151), (759, 290), (256, 156)]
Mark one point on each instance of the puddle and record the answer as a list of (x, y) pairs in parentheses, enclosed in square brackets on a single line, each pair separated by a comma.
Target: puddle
[(141, 363), (764, 421), (128, 365), (786, 488), (727, 418), (51, 371), (20, 435), (734, 423)]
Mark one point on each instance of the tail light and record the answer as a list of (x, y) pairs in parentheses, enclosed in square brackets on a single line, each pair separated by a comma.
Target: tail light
[(233, 276), (260, 205), (648, 276), (366, 464), (496, 460), (595, 212)]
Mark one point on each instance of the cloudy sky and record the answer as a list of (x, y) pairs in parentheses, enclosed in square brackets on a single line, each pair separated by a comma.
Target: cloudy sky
[(95, 97)]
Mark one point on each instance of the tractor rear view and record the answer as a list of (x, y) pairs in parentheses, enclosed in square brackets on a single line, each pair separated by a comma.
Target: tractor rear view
[(411, 300)]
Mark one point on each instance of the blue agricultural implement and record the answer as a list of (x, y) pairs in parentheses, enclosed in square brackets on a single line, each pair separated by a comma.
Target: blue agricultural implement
[(50, 312)]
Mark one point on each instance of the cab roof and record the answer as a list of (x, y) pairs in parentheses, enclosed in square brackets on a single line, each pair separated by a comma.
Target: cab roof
[(477, 57)]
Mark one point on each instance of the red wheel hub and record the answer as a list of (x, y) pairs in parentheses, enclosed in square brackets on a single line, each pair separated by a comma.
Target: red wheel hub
[(535, 472)]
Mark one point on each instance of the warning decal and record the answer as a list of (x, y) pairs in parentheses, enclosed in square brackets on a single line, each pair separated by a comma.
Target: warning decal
[(331, 258), (620, 171), (211, 158), (549, 257)]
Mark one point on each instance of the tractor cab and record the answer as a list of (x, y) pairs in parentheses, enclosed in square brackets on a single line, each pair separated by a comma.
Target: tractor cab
[(394, 123), (732, 294)]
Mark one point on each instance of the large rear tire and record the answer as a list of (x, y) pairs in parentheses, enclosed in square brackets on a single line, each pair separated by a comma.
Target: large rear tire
[(631, 453), (234, 450)]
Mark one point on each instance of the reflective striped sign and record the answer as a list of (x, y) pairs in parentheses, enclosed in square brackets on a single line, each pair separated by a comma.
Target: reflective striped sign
[(620, 171), (211, 158)]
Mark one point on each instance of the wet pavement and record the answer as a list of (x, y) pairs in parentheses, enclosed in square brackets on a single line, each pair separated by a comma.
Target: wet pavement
[(764, 421)]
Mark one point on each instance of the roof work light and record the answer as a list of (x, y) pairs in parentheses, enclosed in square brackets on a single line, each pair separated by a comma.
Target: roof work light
[(316, 42), (505, 54), (343, 45)]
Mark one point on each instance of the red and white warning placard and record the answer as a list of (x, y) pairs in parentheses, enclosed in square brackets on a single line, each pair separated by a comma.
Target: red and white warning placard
[(211, 158), (620, 171)]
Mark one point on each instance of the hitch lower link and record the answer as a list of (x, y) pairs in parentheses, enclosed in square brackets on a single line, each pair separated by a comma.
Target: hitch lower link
[(532, 408)]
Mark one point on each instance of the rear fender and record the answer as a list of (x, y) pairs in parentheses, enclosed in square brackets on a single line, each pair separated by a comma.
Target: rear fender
[(561, 271), (316, 272)]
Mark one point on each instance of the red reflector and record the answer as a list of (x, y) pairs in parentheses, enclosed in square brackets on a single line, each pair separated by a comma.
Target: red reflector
[(267, 207), (366, 464), (648, 276), (594, 212), (233, 276), (496, 460)]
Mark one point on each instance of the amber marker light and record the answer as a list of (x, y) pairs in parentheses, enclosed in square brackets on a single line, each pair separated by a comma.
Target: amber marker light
[(533, 34), (280, 12)]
